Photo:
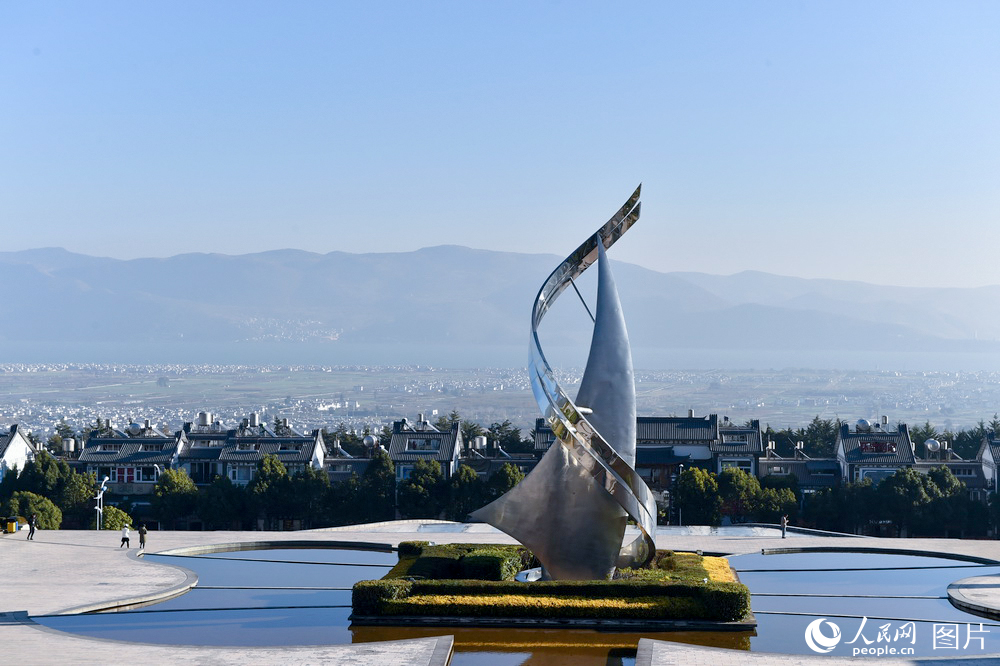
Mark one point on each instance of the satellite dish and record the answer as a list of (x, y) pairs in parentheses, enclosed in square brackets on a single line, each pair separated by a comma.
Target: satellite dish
[(932, 445)]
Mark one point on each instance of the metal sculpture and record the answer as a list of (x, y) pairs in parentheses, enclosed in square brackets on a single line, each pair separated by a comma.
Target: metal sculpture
[(571, 510)]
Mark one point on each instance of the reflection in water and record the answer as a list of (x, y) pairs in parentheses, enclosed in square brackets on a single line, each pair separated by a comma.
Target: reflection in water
[(303, 598), (475, 646)]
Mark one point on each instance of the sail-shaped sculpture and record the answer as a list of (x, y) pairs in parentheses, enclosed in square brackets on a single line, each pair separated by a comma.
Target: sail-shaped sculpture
[(571, 510)]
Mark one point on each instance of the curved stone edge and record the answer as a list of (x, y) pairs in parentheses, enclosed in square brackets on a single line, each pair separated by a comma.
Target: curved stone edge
[(191, 578), (962, 595), (311, 544), (653, 652), (24, 639), (190, 581), (876, 550)]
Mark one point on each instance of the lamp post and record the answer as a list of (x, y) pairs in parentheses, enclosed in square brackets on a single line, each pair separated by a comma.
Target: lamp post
[(100, 502), (680, 514)]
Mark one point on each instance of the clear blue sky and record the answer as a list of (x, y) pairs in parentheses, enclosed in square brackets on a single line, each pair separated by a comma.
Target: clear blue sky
[(849, 140)]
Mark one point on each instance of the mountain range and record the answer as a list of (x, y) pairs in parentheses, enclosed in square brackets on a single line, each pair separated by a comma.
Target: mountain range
[(456, 295)]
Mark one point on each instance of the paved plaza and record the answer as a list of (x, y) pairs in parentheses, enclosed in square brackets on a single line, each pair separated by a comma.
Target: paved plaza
[(69, 571)]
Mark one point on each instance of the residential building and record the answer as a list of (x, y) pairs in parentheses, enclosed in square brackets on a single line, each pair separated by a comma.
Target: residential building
[(16, 451), (422, 441)]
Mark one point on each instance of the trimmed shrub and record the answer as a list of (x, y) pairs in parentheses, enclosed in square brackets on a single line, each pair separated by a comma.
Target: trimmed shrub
[(672, 589), (368, 597), (439, 561), (494, 563), (411, 548)]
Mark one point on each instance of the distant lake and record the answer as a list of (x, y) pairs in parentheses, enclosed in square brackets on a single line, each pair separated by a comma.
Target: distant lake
[(467, 356)]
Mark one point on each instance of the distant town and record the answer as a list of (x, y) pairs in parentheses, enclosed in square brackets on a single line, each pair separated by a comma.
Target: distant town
[(40, 396)]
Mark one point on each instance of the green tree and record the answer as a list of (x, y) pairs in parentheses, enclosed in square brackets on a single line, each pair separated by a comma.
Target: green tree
[(503, 480), (23, 504), (905, 496), (466, 493), (174, 497), (223, 505), (376, 490), (309, 489), (697, 497), (270, 489), (920, 434), (508, 437), (775, 503), (114, 519), (422, 494), (76, 499), (740, 493)]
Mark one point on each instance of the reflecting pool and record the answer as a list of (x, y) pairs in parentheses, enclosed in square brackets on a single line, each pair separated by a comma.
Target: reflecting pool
[(302, 597)]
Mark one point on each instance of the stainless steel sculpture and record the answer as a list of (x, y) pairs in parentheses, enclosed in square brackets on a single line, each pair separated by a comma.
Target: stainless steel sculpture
[(572, 509)]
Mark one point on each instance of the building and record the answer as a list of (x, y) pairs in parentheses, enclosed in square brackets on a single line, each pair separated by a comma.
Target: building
[(422, 441), (16, 451), (873, 451), (131, 459), (207, 449)]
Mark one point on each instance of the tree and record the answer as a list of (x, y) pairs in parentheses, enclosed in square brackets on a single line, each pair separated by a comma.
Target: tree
[(503, 480), (775, 503), (466, 493), (740, 493), (270, 489), (920, 434), (223, 505), (174, 496), (308, 493), (76, 499), (23, 504), (507, 437), (376, 492), (905, 496), (114, 519), (697, 497), (422, 494)]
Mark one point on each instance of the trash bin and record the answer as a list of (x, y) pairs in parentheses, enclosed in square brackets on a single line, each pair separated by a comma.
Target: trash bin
[(11, 526)]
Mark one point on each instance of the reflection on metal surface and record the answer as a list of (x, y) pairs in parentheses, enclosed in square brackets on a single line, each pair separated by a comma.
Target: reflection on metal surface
[(571, 510)]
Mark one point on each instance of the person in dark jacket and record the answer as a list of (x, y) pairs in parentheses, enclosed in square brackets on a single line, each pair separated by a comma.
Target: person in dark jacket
[(32, 521)]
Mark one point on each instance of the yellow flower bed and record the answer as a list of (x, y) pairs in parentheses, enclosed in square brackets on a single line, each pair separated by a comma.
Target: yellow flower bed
[(718, 569)]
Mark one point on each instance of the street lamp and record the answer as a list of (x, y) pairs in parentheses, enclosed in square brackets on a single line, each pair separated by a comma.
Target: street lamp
[(680, 514), (100, 502)]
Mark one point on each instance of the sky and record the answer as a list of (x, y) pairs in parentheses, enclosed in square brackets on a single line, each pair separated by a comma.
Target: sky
[(844, 140)]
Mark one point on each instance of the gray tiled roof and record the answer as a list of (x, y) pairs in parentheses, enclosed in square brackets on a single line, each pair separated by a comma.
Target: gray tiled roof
[(128, 451), (252, 449), (752, 442), (689, 429), (877, 447), (449, 444)]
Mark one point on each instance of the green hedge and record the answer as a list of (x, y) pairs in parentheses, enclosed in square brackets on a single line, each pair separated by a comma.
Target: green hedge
[(369, 596), (473, 580), (711, 601), (461, 561), (411, 548)]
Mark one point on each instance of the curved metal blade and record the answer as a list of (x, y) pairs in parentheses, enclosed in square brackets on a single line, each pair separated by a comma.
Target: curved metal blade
[(571, 510)]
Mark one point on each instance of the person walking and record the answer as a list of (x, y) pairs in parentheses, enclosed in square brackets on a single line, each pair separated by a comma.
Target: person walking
[(32, 521), (784, 525), (125, 543), (142, 535)]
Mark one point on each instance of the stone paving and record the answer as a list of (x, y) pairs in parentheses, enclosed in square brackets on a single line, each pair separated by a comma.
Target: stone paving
[(65, 571)]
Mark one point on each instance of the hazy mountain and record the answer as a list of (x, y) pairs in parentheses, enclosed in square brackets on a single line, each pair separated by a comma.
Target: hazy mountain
[(453, 295)]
